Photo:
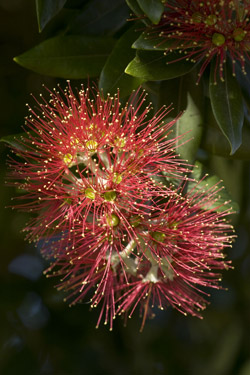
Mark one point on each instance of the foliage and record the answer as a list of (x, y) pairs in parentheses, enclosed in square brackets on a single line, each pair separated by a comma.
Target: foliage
[(113, 45), (132, 57)]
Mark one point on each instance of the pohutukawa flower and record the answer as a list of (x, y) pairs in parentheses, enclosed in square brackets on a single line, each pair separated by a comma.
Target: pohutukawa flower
[(182, 246), (165, 257), (89, 158), (202, 31), (101, 217), (97, 263)]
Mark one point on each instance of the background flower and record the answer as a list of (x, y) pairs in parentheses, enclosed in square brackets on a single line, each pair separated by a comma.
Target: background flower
[(202, 32)]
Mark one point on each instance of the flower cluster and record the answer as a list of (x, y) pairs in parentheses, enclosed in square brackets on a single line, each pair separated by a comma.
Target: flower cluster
[(202, 31), (113, 232)]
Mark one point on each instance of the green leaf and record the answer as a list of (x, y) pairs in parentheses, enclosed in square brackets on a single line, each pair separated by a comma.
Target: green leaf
[(100, 17), (227, 105), (216, 143), (244, 81), (46, 10), (187, 98), (152, 8), (15, 140), (224, 200), (191, 124), (72, 57), (155, 66), (113, 75), (134, 6), (149, 42)]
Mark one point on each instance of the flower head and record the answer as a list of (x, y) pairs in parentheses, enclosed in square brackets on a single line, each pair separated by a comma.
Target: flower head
[(110, 230), (87, 159), (182, 246), (203, 31), (165, 257)]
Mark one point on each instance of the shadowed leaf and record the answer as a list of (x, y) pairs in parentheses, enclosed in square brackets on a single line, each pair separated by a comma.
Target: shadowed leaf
[(46, 10), (152, 8), (72, 56), (113, 75), (154, 66), (223, 201), (227, 105)]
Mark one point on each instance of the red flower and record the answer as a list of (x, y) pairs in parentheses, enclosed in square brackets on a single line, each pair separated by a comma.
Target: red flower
[(98, 262), (88, 158), (202, 31), (182, 248), (165, 257), (110, 231)]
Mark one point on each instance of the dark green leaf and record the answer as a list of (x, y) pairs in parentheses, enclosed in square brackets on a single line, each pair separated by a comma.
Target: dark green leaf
[(153, 91), (135, 7), (152, 8), (187, 97), (189, 123), (214, 141), (100, 17), (224, 200), (47, 9), (113, 75), (73, 57), (243, 80), (155, 66), (15, 140), (150, 42), (227, 105)]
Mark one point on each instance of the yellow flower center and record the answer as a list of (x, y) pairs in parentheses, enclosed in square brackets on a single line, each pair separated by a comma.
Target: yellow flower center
[(239, 34), (211, 19), (89, 193), (67, 159), (91, 145), (117, 178), (158, 236), (113, 220), (120, 142), (73, 141), (218, 39), (109, 196), (196, 17)]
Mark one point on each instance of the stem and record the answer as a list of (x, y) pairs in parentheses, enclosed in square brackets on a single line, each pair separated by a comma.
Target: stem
[(162, 263), (124, 256)]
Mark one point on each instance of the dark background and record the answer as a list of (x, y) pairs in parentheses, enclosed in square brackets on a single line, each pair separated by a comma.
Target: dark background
[(40, 334)]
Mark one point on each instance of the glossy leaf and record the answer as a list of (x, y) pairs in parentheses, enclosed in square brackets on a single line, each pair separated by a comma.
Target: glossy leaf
[(154, 66), (187, 101), (72, 56), (190, 124), (135, 7), (227, 105), (15, 140), (244, 82), (224, 200), (216, 143), (152, 8), (46, 10), (100, 17), (113, 75), (147, 41)]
